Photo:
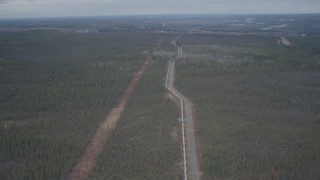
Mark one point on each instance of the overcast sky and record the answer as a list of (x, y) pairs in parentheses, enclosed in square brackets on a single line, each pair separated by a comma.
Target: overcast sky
[(58, 8)]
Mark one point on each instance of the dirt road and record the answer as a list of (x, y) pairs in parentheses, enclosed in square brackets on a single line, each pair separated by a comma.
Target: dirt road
[(189, 143), (87, 161)]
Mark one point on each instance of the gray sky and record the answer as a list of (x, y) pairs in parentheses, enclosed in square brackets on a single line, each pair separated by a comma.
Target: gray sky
[(57, 8)]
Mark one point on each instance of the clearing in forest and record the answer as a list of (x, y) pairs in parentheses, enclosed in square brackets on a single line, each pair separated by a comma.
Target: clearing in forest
[(87, 161)]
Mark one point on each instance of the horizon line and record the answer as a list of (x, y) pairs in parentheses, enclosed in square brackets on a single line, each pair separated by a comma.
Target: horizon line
[(159, 15)]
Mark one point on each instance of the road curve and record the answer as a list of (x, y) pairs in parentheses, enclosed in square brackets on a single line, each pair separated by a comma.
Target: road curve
[(191, 169)]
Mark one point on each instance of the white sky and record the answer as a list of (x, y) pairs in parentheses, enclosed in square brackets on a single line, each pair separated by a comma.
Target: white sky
[(58, 8)]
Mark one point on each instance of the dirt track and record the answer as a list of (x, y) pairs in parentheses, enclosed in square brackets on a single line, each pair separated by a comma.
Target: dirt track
[(189, 140), (87, 161)]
